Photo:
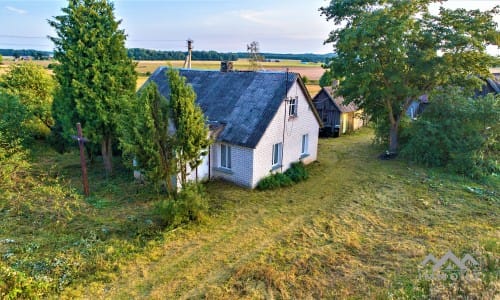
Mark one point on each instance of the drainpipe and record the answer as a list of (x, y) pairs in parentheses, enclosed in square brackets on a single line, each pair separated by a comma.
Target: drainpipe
[(209, 162), (284, 122)]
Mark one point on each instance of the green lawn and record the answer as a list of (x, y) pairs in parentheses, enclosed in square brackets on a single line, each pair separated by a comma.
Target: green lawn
[(358, 228)]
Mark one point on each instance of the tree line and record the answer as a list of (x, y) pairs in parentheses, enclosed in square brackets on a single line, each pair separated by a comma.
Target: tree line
[(35, 54), (148, 54)]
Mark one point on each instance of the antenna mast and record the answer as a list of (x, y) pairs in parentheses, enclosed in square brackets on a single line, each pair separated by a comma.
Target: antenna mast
[(187, 62)]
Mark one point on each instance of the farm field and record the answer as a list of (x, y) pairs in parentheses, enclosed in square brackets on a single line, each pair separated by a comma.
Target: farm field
[(312, 71), (358, 228)]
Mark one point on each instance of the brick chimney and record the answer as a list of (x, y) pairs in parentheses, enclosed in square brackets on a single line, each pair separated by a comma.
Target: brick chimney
[(226, 66)]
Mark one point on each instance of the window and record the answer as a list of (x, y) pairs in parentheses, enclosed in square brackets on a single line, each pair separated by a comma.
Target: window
[(277, 154), (292, 110), (225, 156), (305, 144)]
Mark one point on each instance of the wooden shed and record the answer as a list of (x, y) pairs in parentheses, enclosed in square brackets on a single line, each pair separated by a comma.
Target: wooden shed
[(337, 118)]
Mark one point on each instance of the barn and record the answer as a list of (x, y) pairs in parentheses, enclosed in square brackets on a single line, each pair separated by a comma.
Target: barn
[(337, 117)]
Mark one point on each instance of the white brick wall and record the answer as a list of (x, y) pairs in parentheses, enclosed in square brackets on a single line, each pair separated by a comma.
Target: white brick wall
[(249, 166), (304, 123), (241, 171)]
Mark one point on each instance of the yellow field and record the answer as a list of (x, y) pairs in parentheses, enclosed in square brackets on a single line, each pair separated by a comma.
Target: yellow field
[(312, 71)]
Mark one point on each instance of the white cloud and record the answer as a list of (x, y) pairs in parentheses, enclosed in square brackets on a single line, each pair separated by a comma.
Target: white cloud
[(258, 17), (16, 10)]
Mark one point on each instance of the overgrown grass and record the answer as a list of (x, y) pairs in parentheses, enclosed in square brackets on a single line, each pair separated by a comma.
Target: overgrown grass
[(358, 228), (54, 237)]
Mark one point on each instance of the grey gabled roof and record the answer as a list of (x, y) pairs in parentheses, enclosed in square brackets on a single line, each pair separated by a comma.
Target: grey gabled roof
[(338, 101), (244, 102)]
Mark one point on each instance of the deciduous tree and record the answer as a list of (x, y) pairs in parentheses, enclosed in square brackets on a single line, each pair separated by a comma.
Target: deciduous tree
[(34, 87), (96, 76), (390, 52)]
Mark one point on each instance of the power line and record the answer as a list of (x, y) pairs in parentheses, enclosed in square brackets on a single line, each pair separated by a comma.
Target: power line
[(22, 36)]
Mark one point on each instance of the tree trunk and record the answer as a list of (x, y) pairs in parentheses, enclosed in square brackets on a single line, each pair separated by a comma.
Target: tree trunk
[(393, 138), (107, 155)]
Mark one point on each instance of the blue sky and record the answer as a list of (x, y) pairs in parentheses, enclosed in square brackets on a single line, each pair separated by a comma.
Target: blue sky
[(286, 26)]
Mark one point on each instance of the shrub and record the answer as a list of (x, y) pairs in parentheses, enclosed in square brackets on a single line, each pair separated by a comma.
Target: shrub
[(13, 157), (16, 285), (457, 133), (190, 204), (296, 173)]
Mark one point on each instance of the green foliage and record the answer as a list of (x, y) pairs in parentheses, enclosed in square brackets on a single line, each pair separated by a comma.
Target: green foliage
[(305, 79), (326, 79), (382, 126), (391, 52), (12, 136), (166, 138), (145, 136), (1, 59), (190, 204), (35, 88), (16, 285), (191, 134), (95, 75), (458, 133), (13, 115), (296, 173)]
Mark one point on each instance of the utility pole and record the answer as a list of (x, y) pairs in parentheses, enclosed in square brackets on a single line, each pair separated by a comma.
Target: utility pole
[(187, 62), (81, 141)]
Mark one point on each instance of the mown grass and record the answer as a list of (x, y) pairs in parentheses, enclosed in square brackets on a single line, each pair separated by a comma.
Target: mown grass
[(357, 228)]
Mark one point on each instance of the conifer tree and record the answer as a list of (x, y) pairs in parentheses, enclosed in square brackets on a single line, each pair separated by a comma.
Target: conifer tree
[(191, 134), (145, 136), (95, 75), (165, 137)]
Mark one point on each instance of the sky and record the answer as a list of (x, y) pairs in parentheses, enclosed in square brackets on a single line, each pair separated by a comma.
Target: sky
[(280, 26)]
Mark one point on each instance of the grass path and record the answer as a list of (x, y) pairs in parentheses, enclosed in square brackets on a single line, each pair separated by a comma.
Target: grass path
[(357, 228)]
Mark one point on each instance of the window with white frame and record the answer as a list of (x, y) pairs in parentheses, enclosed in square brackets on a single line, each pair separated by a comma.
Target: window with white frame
[(225, 156), (292, 107), (277, 154), (305, 144)]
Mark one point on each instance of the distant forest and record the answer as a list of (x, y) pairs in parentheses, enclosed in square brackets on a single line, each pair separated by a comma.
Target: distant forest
[(35, 54), (148, 54)]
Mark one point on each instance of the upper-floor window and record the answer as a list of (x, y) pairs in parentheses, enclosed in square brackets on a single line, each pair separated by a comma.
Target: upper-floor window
[(292, 108)]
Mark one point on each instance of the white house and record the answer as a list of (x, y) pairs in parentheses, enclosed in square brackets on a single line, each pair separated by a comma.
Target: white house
[(261, 122)]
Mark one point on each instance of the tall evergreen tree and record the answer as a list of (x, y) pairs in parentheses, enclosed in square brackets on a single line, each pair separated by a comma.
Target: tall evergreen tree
[(191, 134), (95, 74), (145, 137), (166, 137), (390, 52)]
